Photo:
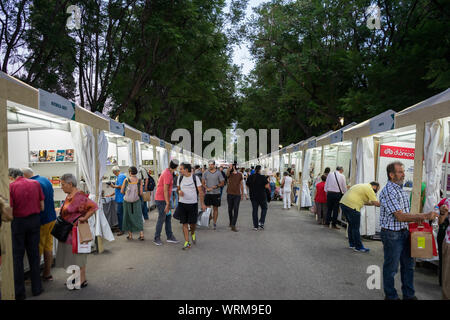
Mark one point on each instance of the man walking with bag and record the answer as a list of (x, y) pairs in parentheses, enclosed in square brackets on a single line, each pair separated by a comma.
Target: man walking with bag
[(189, 190), (235, 193), (394, 217), (212, 181), (335, 187), (162, 199)]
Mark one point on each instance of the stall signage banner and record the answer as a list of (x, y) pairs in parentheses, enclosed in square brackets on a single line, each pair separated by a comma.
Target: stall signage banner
[(396, 152), (162, 143), (312, 144), (145, 137), (383, 123), (57, 105), (336, 137), (116, 127)]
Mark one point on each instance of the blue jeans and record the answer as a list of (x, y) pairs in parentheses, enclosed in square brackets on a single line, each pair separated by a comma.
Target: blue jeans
[(174, 199), (272, 189), (255, 204), (397, 249), (120, 214), (144, 209), (163, 218), (354, 220)]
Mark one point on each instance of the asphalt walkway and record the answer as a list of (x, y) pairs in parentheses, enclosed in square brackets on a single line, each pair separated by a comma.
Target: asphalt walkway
[(293, 258)]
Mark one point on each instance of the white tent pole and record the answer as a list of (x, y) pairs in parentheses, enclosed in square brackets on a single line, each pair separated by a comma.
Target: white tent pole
[(322, 159), (353, 168), (418, 167), (155, 168), (301, 181), (7, 283)]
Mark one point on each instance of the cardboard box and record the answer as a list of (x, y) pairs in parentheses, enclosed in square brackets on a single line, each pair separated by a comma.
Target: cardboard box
[(421, 245)]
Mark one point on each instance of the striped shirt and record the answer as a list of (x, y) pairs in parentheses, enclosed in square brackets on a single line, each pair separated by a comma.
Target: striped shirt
[(392, 199)]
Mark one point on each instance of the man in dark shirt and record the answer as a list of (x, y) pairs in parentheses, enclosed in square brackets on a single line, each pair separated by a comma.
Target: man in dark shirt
[(27, 201), (235, 193), (257, 184)]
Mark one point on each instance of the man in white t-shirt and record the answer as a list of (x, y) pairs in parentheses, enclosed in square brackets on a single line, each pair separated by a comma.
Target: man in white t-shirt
[(189, 190), (286, 185)]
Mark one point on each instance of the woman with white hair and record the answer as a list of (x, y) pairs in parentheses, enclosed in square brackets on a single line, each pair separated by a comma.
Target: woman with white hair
[(77, 207)]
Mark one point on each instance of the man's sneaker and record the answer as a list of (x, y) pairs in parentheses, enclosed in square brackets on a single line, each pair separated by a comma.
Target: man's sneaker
[(215, 226), (157, 242), (350, 247), (187, 245), (261, 226), (362, 249), (172, 239), (194, 238), (233, 228), (255, 229)]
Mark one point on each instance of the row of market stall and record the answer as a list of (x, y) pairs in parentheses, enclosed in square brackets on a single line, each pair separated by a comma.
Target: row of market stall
[(417, 136), (54, 136)]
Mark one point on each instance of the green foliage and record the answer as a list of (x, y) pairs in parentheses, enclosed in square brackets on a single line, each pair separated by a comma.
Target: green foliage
[(317, 61)]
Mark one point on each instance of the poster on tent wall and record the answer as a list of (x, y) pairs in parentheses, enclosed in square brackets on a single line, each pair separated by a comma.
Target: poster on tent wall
[(398, 151), (395, 151)]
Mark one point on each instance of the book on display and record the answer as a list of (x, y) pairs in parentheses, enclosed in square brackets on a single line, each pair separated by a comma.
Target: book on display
[(69, 155), (51, 155), (60, 155)]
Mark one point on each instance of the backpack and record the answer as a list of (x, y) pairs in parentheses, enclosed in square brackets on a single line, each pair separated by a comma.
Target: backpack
[(151, 183), (193, 178), (131, 191)]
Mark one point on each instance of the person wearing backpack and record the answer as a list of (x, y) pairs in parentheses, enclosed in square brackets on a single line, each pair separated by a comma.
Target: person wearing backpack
[(132, 189), (189, 189)]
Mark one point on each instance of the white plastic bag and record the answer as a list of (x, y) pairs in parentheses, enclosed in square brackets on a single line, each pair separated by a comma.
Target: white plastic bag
[(203, 218)]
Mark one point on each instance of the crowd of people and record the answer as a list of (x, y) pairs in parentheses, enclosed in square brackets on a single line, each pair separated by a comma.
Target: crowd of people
[(182, 189), (331, 192)]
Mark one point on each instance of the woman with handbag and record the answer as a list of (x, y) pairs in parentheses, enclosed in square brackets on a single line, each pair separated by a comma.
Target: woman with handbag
[(132, 188), (77, 208)]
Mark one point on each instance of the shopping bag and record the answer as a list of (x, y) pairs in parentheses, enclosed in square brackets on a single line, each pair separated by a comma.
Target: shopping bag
[(422, 240), (85, 232), (313, 209), (203, 218), (146, 196), (74, 239), (82, 247)]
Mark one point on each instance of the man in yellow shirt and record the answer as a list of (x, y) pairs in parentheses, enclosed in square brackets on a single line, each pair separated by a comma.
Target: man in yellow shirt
[(351, 203)]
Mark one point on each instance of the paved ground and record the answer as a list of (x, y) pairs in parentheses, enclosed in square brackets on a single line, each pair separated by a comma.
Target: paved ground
[(294, 258)]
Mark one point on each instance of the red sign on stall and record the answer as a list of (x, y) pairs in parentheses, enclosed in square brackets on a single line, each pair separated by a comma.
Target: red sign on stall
[(396, 152)]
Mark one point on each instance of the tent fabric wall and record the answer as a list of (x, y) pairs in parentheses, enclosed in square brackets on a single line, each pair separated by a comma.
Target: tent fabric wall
[(365, 173), (434, 149), (138, 153), (130, 154), (306, 196), (102, 227), (84, 143)]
